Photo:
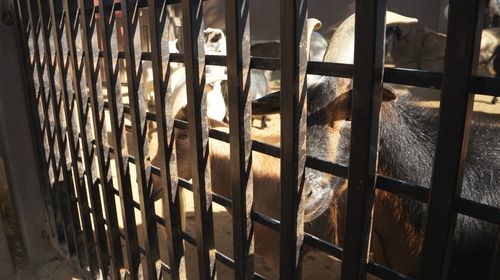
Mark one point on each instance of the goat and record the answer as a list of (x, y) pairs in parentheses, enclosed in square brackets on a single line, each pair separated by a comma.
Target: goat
[(266, 182), (429, 49), (259, 79), (271, 49), (407, 136), (259, 87), (317, 191), (266, 177)]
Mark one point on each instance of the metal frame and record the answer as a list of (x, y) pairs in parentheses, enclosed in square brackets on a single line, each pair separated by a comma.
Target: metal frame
[(70, 136)]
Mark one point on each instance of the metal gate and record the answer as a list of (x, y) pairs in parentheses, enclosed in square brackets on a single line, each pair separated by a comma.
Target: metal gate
[(69, 51)]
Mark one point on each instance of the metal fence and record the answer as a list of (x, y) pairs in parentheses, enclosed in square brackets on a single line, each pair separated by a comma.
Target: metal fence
[(73, 62)]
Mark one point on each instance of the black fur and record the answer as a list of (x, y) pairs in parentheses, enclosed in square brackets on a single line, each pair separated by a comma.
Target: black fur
[(408, 136)]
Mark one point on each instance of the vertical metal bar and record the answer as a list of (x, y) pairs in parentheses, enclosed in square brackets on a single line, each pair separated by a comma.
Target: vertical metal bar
[(194, 61), (240, 121), (158, 20), (25, 32), (366, 102), (117, 119), (130, 17), (34, 23), (95, 200), (103, 157), (94, 195), (462, 49), (23, 26), (67, 185), (293, 133)]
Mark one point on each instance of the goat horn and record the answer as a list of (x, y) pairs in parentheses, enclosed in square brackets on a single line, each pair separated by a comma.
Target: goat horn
[(312, 24), (341, 46)]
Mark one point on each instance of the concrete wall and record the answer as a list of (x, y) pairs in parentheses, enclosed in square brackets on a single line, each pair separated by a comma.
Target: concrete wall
[(18, 147)]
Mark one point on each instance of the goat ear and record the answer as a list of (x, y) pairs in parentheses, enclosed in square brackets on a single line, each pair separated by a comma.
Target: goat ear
[(341, 107), (266, 105)]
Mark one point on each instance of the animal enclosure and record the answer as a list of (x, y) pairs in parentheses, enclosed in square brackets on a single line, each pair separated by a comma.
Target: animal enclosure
[(89, 62)]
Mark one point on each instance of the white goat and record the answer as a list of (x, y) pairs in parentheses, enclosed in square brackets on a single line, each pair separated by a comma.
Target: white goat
[(419, 47)]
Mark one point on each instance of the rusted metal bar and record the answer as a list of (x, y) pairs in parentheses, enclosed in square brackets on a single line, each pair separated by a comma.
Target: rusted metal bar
[(117, 119), (130, 17), (113, 237), (366, 102), (462, 48), (293, 101), (38, 68), (240, 122), (23, 28), (103, 252), (158, 21), (56, 97), (192, 18), (72, 137)]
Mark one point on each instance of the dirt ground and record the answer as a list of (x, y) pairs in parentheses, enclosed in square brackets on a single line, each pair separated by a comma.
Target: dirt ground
[(316, 265)]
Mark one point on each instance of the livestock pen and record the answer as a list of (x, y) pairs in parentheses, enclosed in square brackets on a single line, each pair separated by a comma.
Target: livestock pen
[(90, 135)]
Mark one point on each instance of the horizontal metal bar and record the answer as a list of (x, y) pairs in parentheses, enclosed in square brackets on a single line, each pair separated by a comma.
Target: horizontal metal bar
[(383, 183), (311, 240), (413, 77), (323, 246), (486, 85), (265, 220), (402, 76), (384, 272), (117, 6), (402, 188), (478, 210), (218, 255)]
